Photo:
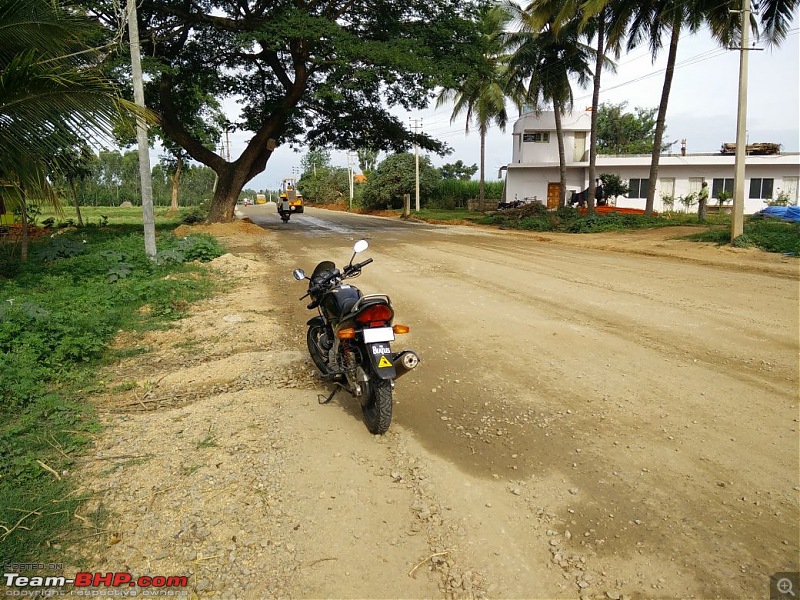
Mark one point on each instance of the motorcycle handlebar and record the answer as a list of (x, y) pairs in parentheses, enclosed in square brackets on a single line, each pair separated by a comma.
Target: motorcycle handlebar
[(357, 266), (333, 274)]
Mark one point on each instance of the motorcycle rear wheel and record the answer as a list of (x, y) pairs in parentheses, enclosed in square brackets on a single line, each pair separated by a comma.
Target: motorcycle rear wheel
[(378, 406), (315, 338)]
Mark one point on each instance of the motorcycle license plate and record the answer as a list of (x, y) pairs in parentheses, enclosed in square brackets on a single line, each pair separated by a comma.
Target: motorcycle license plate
[(378, 334)]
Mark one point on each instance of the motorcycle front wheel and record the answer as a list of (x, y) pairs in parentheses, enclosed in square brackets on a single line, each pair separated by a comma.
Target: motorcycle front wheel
[(318, 345), (377, 407)]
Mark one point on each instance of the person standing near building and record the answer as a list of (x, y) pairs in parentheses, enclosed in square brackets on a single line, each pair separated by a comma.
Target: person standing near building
[(702, 201)]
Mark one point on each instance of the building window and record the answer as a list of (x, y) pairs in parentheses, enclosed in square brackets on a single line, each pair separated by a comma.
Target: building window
[(761, 189), (537, 136), (638, 188), (720, 185)]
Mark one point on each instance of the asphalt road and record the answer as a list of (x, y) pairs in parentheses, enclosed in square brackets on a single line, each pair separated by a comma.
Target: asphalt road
[(650, 403)]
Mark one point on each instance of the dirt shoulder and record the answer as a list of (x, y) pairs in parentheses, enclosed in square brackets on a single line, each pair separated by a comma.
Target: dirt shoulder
[(217, 463)]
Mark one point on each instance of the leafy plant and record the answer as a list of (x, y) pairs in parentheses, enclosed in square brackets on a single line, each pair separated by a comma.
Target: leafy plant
[(782, 200), (668, 200), (60, 247), (119, 271), (57, 316), (203, 248), (723, 197), (688, 200)]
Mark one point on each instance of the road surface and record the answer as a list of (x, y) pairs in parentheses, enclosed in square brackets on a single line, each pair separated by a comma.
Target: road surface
[(634, 413)]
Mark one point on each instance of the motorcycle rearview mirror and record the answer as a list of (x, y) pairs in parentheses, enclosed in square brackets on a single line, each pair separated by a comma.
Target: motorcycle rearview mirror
[(299, 274), (359, 246)]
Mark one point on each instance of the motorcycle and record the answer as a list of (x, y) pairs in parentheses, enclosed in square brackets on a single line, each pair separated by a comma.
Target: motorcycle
[(283, 210), (349, 341)]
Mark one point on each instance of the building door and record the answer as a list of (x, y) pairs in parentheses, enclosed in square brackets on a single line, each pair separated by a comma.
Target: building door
[(553, 195), (790, 186)]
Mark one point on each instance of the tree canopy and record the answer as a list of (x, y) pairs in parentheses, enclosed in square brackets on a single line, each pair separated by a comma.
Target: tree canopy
[(327, 72), (623, 132), (458, 170), (395, 177)]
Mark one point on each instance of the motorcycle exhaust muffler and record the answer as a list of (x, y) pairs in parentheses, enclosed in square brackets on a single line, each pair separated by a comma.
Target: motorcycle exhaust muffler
[(405, 362)]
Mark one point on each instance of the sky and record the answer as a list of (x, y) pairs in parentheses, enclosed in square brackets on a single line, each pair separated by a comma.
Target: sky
[(702, 106)]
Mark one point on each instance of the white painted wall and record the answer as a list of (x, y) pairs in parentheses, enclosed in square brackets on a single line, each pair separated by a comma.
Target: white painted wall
[(535, 164)]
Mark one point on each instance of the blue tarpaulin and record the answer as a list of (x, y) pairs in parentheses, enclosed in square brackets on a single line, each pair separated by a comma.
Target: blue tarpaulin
[(785, 213)]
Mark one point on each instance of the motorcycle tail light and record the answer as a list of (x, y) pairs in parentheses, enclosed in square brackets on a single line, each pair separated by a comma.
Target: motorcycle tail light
[(401, 328), (346, 334), (376, 315)]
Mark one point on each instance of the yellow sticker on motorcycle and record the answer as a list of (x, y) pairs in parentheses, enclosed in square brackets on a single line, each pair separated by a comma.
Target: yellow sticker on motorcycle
[(384, 362)]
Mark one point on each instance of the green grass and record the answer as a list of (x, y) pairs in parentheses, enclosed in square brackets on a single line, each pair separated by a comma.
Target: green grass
[(770, 235), (58, 314), (101, 215), (443, 214)]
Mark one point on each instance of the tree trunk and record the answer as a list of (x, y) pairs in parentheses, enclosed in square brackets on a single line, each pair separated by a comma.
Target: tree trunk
[(662, 114), (75, 200), (175, 179), (481, 193), (232, 176), (232, 179), (562, 160), (598, 69), (24, 238)]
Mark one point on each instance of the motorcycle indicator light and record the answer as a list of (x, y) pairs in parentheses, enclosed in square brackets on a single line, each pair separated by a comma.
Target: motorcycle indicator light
[(401, 328), (376, 315), (346, 334)]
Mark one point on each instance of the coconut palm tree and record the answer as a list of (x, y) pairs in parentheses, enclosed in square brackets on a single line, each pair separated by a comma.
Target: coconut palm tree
[(50, 96), (546, 58), (649, 22), (482, 95)]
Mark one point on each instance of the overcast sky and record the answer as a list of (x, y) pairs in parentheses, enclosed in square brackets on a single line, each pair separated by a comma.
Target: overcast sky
[(702, 105)]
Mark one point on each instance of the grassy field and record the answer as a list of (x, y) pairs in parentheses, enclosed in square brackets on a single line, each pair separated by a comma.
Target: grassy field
[(59, 312), (108, 215)]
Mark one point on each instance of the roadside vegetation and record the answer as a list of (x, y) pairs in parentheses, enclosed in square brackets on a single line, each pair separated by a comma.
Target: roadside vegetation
[(769, 235), (59, 311)]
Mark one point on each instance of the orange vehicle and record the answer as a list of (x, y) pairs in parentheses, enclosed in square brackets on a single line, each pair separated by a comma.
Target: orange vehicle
[(290, 192)]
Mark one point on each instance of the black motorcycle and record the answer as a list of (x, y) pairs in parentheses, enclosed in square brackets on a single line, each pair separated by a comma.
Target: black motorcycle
[(349, 341)]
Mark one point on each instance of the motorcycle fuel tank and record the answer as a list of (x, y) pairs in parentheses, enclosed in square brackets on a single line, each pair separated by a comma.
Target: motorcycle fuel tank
[(340, 300)]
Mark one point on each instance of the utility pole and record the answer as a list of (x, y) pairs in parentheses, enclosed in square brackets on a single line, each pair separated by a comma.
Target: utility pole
[(737, 211), (228, 142), (148, 216), (417, 124)]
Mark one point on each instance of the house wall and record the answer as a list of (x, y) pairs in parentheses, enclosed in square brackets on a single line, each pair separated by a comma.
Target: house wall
[(535, 164), (529, 184), (576, 138), (781, 175)]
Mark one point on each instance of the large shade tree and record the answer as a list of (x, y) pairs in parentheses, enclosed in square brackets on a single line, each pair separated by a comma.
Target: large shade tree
[(326, 71)]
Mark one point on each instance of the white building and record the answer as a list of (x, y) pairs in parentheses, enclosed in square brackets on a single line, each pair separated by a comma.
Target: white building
[(534, 170)]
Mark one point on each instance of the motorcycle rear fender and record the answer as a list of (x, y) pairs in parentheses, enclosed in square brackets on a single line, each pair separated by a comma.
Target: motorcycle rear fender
[(380, 357)]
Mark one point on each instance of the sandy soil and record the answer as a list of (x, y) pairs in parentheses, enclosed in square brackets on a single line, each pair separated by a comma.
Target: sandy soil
[(596, 416)]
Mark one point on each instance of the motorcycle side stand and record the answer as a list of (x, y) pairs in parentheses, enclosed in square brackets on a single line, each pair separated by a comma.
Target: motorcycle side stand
[(322, 400)]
